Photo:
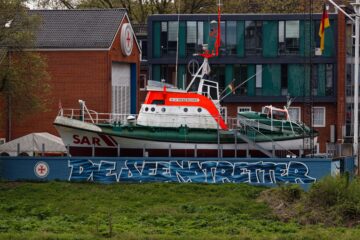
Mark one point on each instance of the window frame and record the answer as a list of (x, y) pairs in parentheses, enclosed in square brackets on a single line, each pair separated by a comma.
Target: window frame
[(283, 47), (313, 117), (243, 107), (258, 38)]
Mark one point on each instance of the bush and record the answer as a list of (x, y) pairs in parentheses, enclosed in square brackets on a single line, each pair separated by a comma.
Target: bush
[(331, 201)]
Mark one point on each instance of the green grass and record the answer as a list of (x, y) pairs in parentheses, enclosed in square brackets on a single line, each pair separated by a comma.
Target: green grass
[(58, 210)]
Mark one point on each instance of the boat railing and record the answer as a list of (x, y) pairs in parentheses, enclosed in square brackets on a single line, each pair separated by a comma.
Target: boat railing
[(266, 124), (247, 128), (92, 116)]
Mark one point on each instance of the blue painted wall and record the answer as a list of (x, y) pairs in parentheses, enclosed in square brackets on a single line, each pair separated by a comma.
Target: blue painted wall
[(265, 171)]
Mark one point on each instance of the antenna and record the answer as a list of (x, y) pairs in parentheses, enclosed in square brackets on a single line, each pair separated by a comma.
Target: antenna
[(177, 47)]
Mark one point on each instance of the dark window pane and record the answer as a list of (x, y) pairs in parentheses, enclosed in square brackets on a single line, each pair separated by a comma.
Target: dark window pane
[(284, 79), (329, 79), (253, 37), (164, 38), (231, 38), (190, 37)]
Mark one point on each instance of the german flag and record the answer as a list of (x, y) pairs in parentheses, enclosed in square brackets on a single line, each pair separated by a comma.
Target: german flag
[(325, 23)]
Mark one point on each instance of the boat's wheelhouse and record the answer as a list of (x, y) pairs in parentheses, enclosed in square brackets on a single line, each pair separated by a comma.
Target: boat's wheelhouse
[(276, 113)]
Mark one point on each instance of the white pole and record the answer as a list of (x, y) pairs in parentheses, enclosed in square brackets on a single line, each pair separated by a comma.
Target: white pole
[(356, 80), (177, 48), (341, 10)]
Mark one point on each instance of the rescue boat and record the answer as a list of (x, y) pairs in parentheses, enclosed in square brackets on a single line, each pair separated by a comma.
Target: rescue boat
[(183, 122)]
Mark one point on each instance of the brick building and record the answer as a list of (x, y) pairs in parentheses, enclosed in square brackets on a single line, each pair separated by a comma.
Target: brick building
[(283, 47), (91, 55)]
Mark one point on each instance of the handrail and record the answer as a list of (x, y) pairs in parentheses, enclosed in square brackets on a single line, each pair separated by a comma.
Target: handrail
[(92, 116), (257, 131)]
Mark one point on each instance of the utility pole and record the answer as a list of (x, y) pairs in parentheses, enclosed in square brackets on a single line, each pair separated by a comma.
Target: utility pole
[(356, 82)]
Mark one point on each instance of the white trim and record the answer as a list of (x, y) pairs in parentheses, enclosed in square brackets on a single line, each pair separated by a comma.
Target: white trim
[(243, 107), (324, 118)]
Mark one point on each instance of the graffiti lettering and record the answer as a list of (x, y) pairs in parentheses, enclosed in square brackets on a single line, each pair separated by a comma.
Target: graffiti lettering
[(190, 171)]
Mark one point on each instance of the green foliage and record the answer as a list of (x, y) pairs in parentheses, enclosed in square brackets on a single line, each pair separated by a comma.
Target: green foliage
[(333, 201), (23, 77), (139, 10), (58, 210)]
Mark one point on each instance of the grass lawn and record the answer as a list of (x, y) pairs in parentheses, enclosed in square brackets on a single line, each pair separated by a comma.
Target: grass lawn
[(60, 210)]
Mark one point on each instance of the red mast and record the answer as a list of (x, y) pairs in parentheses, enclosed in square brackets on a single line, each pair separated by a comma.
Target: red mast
[(218, 37), (206, 53)]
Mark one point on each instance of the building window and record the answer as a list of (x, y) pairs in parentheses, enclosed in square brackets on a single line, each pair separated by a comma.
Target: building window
[(231, 37), (258, 81), (200, 35), (329, 68), (218, 75), (142, 82), (222, 49), (164, 38), (191, 37), (284, 79), (143, 46), (223, 113), (240, 73), (253, 37), (314, 79), (172, 37), (319, 117), (289, 37), (167, 73), (295, 113), (243, 109)]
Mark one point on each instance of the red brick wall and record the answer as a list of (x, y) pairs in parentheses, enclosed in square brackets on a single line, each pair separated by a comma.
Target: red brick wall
[(75, 75)]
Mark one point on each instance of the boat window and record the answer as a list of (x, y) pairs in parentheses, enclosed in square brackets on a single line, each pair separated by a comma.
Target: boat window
[(146, 109), (199, 110), (153, 109), (163, 109), (158, 102), (185, 109), (266, 110), (213, 93), (279, 115), (205, 90)]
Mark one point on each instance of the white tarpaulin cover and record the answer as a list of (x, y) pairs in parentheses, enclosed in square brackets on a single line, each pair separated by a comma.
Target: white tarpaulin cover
[(33, 143)]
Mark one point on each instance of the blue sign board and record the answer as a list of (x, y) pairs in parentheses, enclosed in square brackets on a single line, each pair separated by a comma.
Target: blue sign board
[(264, 171)]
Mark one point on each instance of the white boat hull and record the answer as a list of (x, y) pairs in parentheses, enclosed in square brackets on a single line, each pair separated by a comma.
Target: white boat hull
[(91, 137)]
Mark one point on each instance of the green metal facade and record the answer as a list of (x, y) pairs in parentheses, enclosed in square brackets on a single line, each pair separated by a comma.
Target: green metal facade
[(297, 78)]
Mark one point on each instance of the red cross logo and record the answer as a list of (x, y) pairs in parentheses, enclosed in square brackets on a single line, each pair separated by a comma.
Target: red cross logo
[(41, 169), (128, 38)]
